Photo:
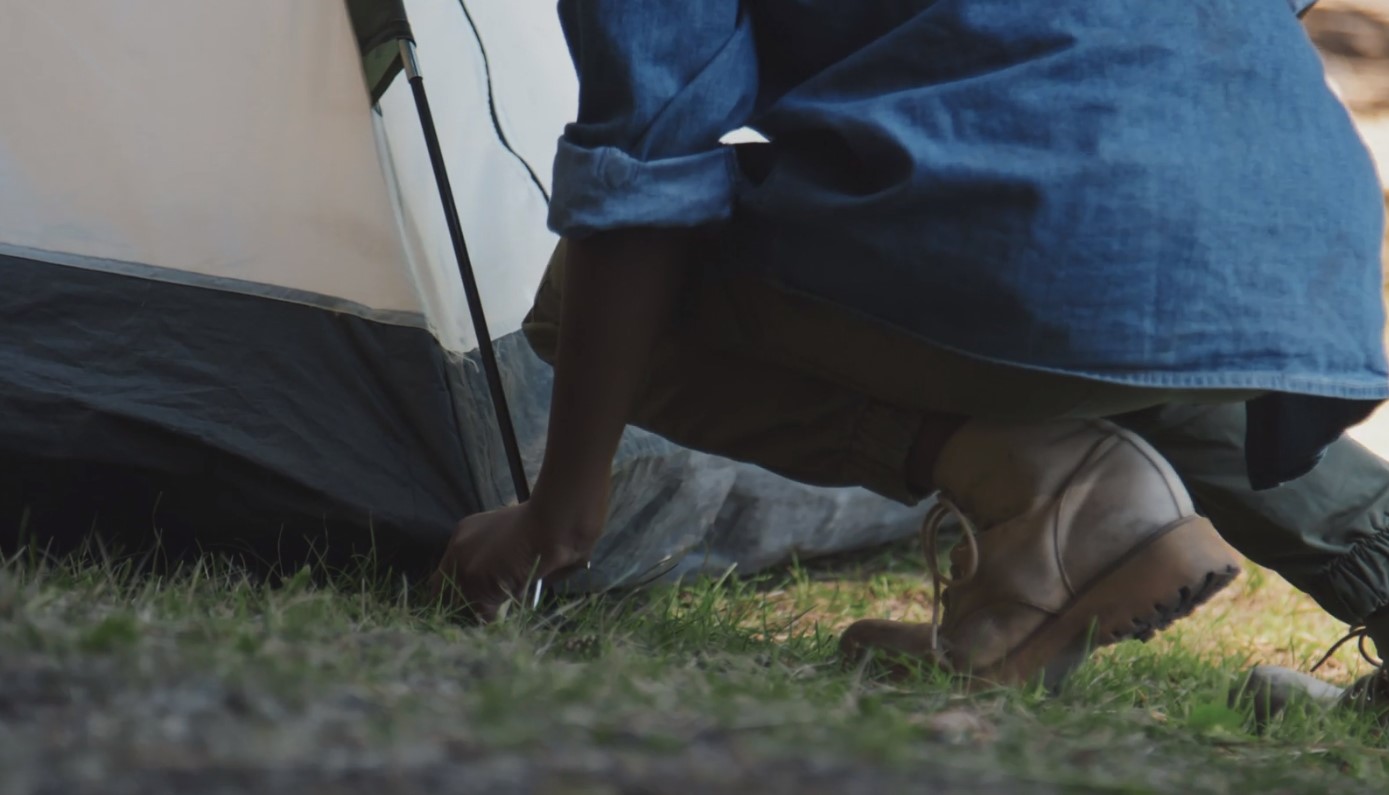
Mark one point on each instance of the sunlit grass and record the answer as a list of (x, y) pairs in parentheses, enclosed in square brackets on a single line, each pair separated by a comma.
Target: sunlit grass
[(300, 671)]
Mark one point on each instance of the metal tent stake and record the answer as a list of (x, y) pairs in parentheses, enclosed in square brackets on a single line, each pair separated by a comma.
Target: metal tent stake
[(465, 269)]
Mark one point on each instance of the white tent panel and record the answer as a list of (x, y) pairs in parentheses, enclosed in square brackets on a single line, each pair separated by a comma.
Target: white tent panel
[(503, 212), (533, 79), (224, 139)]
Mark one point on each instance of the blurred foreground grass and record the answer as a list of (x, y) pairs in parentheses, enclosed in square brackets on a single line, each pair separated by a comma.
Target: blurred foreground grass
[(208, 682)]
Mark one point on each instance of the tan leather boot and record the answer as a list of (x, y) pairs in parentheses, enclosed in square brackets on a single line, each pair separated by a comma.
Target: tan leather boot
[(1077, 535)]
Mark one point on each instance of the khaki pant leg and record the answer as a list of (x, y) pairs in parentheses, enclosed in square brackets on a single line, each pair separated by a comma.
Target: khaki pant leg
[(709, 397), (806, 390)]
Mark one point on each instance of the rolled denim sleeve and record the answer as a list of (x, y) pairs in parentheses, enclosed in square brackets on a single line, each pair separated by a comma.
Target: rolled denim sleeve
[(660, 81)]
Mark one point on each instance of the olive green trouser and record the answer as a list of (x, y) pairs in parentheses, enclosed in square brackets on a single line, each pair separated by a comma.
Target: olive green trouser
[(756, 374)]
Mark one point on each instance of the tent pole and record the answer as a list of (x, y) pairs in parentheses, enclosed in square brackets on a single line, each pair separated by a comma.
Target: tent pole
[(465, 269)]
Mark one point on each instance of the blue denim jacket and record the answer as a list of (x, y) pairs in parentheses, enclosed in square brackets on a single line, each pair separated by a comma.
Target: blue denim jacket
[(1154, 194)]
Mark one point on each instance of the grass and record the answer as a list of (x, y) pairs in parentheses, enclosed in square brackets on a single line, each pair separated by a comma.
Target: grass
[(206, 680)]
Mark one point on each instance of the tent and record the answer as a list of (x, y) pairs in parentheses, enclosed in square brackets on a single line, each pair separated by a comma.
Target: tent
[(231, 300)]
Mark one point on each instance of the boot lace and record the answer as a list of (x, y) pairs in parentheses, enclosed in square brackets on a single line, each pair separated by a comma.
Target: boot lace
[(1361, 634), (940, 580)]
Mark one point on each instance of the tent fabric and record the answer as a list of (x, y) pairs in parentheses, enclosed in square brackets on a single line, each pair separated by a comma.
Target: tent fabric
[(149, 136), (525, 72), (228, 285), (379, 25), (307, 410), (378, 22), (206, 267)]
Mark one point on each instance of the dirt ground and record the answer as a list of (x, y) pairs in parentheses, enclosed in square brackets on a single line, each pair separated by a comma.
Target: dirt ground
[(72, 729)]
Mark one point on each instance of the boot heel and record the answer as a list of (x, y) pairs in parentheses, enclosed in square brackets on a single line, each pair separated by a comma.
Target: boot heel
[(1192, 556), (1156, 584)]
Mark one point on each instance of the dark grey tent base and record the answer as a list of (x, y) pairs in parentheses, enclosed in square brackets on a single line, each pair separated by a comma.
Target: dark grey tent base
[(274, 426), (161, 520), (229, 417)]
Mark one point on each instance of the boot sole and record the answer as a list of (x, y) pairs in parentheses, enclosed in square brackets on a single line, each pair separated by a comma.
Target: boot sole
[(1135, 599)]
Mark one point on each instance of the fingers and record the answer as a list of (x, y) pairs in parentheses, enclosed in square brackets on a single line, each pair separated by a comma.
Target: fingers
[(434, 586), (489, 560), (478, 600)]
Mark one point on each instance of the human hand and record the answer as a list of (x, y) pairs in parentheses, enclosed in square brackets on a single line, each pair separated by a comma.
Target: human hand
[(494, 556)]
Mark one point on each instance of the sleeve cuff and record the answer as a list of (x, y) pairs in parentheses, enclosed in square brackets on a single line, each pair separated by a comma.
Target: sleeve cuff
[(605, 188)]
